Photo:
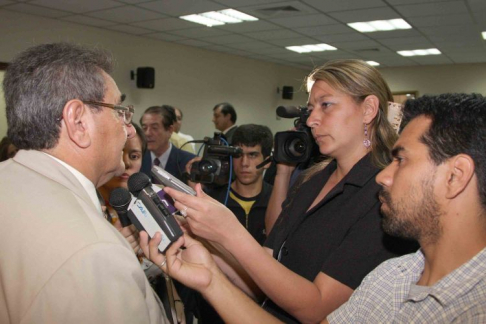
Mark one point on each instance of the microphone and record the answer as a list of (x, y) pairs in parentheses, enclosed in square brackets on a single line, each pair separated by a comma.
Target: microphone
[(151, 212), (120, 199), (288, 111)]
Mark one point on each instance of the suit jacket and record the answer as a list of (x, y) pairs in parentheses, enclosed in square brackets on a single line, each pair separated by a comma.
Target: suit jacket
[(229, 135), (176, 164), (60, 260)]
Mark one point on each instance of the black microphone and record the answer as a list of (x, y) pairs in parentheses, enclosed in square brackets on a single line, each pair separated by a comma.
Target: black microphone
[(120, 199), (288, 111)]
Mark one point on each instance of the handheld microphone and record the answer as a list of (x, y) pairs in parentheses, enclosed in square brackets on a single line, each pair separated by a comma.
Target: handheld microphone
[(288, 111), (151, 212), (120, 199)]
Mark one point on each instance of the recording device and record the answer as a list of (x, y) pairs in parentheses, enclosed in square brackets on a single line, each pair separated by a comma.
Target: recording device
[(170, 181), (215, 164), (146, 210), (294, 146)]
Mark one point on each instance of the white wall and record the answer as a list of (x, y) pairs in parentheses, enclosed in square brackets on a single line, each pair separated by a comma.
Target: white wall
[(196, 79), (190, 78)]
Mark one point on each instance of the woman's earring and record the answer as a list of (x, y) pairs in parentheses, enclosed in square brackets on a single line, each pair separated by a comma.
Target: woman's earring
[(366, 141)]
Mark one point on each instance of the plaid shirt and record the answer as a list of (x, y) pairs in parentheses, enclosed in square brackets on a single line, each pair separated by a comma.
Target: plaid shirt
[(389, 294)]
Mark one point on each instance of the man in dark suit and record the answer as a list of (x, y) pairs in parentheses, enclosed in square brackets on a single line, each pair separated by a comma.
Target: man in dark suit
[(224, 119), (158, 124)]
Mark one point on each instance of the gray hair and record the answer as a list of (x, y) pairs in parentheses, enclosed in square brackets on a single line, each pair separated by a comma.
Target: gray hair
[(41, 80)]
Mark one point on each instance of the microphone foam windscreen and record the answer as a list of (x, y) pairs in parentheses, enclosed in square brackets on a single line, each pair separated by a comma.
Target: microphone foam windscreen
[(120, 198), (137, 182)]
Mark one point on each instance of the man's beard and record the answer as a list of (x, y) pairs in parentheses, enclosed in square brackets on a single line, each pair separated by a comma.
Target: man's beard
[(414, 217)]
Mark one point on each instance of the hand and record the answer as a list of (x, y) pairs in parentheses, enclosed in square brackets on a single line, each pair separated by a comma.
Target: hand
[(206, 217), (188, 170), (285, 168), (193, 266), (130, 233)]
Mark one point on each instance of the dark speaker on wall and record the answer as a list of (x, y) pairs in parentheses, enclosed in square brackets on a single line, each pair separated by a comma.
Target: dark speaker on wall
[(287, 92), (145, 77)]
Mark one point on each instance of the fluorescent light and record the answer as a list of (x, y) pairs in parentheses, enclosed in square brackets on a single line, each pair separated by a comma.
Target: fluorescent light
[(202, 20), (373, 63), (362, 27), (379, 25), (484, 34), (298, 49), (221, 17), (216, 18), (311, 48), (238, 15), (420, 52)]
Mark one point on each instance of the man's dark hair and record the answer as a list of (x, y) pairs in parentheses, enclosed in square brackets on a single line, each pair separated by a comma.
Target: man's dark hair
[(251, 135), (41, 80), (165, 111), (458, 126), (227, 108)]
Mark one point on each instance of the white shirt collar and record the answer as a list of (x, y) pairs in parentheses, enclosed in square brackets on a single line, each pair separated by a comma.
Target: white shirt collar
[(85, 182), (228, 129), (163, 158)]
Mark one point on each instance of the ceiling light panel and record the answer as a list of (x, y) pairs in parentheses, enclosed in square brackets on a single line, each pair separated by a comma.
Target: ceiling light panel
[(217, 18), (420, 52), (373, 63), (484, 34), (380, 25), (311, 48)]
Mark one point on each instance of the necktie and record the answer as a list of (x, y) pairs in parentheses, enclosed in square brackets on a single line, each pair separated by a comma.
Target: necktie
[(157, 162)]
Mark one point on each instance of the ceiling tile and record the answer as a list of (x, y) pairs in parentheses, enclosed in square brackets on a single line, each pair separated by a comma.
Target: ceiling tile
[(406, 2), (198, 32), (341, 5), (279, 10), (394, 34), (432, 9), (165, 24), (292, 41), (193, 42), (341, 37), (431, 60), (36, 10), (250, 46), (77, 6), (243, 3), (325, 30), (129, 29), (6, 2), (178, 8), (273, 34), (227, 39), (443, 20), (164, 37), (304, 21), (133, 1), (248, 27), (364, 44), (90, 21), (126, 14), (365, 15)]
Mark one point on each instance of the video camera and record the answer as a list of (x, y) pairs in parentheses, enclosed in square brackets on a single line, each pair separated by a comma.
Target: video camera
[(215, 164), (294, 146)]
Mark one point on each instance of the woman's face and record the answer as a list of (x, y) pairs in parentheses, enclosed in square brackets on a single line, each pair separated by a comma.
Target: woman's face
[(132, 157), (337, 121)]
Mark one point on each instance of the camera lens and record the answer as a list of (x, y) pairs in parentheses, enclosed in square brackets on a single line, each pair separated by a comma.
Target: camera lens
[(297, 147)]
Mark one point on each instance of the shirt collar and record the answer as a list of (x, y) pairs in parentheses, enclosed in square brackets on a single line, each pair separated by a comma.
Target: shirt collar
[(229, 128), (162, 158), (457, 283), (85, 182)]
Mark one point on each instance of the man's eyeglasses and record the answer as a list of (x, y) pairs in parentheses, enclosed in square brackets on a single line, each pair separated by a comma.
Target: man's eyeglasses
[(125, 112)]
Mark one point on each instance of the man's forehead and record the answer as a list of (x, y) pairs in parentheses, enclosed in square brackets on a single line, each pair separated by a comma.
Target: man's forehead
[(150, 119), (413, 132), (249, 149)]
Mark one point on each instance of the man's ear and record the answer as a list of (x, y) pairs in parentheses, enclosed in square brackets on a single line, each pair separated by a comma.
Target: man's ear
[(371, 105), (460, 170), (75, 118), (171, 129)]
